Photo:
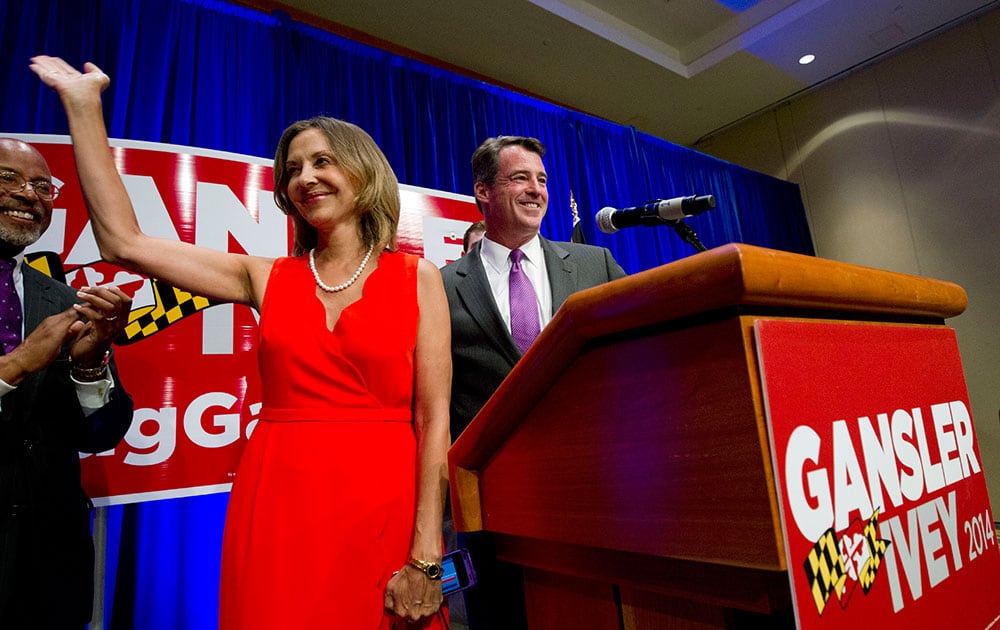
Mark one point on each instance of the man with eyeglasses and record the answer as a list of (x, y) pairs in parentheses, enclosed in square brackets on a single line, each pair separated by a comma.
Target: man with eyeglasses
[(60, 395)]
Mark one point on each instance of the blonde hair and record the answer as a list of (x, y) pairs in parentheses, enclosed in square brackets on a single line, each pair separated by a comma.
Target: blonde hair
[(354, 151)]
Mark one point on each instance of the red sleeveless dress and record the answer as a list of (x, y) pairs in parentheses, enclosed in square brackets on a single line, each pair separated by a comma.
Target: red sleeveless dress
[(322, 508)]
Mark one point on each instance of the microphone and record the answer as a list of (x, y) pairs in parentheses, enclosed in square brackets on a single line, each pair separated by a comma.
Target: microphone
[(610, 220)]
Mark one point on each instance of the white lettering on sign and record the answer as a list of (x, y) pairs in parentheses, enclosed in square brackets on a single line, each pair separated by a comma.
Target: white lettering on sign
[(212, 420), (870, 467), (830, 484)]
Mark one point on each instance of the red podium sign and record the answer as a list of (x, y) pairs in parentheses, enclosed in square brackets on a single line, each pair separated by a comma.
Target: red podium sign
[(883, 500), (191, 365)]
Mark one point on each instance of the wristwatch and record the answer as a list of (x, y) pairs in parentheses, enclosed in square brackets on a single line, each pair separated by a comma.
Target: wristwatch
[(432, 570)]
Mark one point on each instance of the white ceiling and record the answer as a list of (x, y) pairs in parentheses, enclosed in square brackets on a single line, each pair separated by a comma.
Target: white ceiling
[(677, 69)]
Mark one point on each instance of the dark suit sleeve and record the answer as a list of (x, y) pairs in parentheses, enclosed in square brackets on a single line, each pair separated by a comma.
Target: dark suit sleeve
[(48, 397), (105, 428), (615, 270)]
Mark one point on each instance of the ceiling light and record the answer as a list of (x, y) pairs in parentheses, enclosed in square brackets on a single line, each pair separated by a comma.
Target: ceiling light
[(807, 59)]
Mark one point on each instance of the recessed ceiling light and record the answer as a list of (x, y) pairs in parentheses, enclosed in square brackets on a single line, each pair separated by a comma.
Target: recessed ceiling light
[(807, 59)]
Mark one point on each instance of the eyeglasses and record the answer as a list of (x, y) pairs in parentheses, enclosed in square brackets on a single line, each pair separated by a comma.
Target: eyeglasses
[(12, 182)]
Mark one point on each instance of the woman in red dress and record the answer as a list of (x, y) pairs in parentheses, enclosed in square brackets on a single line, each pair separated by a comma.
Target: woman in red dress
[(334, 519)]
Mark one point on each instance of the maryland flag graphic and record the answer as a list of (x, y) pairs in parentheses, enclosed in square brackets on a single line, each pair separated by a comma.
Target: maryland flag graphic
[(48, 263), (170, 304), (836, 565), (825, 569)]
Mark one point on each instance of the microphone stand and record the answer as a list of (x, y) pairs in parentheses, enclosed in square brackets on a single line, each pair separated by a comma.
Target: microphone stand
[(687, 234)]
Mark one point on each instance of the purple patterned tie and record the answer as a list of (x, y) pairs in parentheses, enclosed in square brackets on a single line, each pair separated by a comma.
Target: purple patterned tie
[(10, 307), (524, 325)]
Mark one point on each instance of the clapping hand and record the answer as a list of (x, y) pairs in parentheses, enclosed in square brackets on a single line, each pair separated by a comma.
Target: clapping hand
[(106, 310)]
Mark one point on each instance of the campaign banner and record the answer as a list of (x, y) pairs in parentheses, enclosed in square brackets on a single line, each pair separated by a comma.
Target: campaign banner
[(190, 364), (884, 508)]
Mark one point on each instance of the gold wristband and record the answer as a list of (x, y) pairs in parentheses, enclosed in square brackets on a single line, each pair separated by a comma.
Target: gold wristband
[(432, 570), (90, 374)]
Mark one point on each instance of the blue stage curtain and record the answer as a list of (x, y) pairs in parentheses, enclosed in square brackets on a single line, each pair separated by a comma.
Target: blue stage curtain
[(210, 74)]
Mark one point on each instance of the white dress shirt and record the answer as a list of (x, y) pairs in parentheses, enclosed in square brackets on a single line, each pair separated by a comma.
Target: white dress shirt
[(496, 260)]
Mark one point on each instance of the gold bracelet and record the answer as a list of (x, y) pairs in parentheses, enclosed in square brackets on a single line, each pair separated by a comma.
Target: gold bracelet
[(90, 374)]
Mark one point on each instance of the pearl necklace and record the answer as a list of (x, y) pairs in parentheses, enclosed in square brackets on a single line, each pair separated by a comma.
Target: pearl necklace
[(342, 285)]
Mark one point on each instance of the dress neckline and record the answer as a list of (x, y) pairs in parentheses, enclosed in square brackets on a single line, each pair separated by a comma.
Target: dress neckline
[(317, 292)]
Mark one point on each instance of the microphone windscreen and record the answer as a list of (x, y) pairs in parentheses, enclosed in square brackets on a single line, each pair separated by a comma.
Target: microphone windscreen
[(603, 220)]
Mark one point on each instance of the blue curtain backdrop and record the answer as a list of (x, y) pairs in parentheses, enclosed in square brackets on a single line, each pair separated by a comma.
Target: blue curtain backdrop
[(209, 74)]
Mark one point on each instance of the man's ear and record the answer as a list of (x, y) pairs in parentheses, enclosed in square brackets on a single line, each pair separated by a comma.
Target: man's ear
[(482, 192)]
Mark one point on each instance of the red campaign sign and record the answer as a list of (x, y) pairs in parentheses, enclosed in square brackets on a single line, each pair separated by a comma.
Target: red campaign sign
[(883, 500), (191, 365)]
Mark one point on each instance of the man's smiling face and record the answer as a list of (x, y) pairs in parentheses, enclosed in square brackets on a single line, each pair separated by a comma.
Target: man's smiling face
[(24, 216), (515, 204)]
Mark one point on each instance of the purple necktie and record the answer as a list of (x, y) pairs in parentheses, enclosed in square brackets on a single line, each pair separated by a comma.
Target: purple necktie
[(524, 325), (10, 307)]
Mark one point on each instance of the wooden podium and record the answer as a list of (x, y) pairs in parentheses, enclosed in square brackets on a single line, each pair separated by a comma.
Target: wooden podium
[(625, 463)]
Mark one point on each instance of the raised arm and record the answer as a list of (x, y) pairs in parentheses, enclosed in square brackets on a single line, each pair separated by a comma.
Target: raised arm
[(200, 270)]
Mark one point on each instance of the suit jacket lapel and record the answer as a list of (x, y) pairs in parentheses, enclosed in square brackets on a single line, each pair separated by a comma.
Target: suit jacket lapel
[(475, 293), (40, 301), (563, 277)]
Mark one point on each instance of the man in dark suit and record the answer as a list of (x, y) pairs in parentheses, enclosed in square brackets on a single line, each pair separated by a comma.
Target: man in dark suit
[(486, 337), (60, 394)]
